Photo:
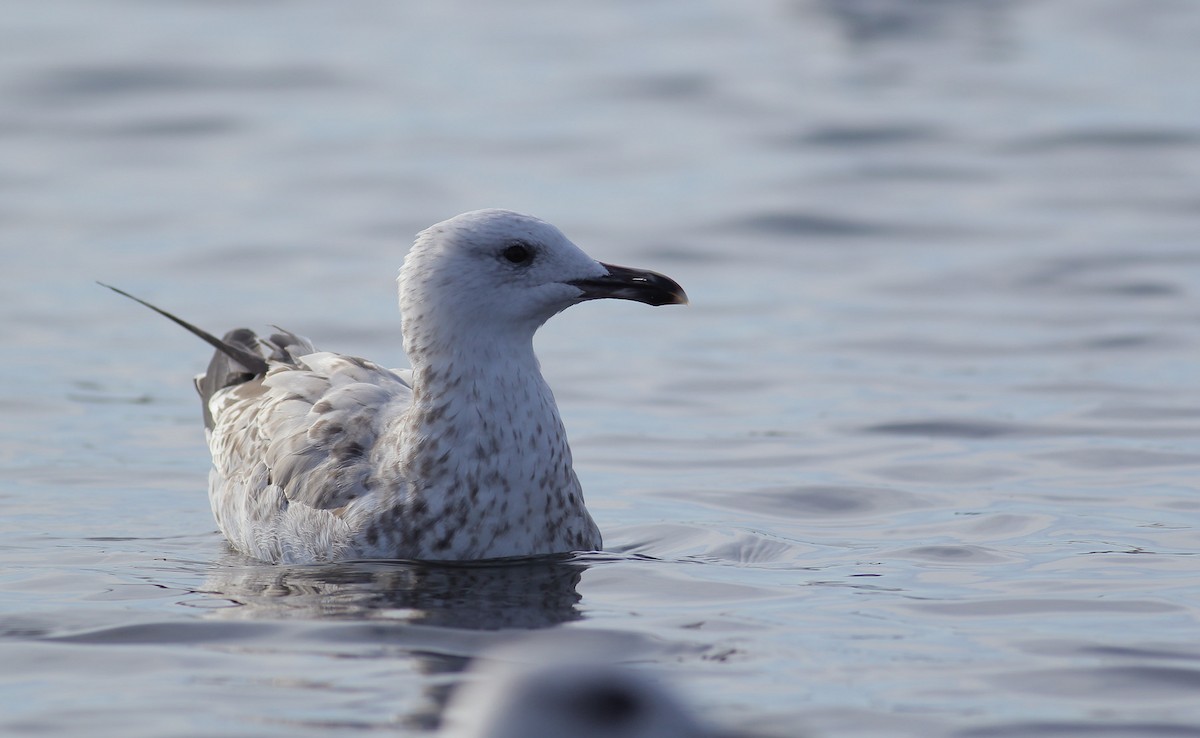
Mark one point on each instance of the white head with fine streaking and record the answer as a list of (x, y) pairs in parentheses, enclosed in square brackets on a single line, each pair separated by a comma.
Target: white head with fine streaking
[(500, 273)]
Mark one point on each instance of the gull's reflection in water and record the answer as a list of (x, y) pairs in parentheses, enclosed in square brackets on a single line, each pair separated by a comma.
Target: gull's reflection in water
[(429, 620), (523, 594)]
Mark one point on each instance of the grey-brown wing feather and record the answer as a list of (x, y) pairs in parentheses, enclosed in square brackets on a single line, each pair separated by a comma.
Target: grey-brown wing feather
[(312, 423)]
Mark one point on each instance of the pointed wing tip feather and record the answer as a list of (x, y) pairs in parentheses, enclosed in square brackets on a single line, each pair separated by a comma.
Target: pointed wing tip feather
[(252, 362)]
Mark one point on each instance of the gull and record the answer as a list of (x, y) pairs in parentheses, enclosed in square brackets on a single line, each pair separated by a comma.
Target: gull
[(319, 456), (560, 698)]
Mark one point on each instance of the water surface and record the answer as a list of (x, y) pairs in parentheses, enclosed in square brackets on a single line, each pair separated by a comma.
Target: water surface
[(919, 460)]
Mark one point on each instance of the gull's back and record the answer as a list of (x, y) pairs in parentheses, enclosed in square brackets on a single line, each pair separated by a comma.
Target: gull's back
[(296, 451)]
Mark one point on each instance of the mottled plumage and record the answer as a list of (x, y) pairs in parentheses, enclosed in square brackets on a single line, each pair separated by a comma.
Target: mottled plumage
[(319, 456)]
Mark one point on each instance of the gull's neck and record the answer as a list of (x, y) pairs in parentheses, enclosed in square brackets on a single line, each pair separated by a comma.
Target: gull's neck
[(486, 454)]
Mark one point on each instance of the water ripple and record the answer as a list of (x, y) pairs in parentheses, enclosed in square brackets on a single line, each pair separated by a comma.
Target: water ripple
[(72, 84)]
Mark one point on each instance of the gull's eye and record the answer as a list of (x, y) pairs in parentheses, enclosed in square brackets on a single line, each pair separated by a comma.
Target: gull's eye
[(519, 253)]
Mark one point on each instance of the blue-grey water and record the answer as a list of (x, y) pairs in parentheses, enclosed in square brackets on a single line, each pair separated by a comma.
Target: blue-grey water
[(921, 459)]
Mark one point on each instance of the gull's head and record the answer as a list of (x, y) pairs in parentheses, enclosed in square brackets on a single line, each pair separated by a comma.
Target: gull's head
[(579, 700), (498, 271)]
